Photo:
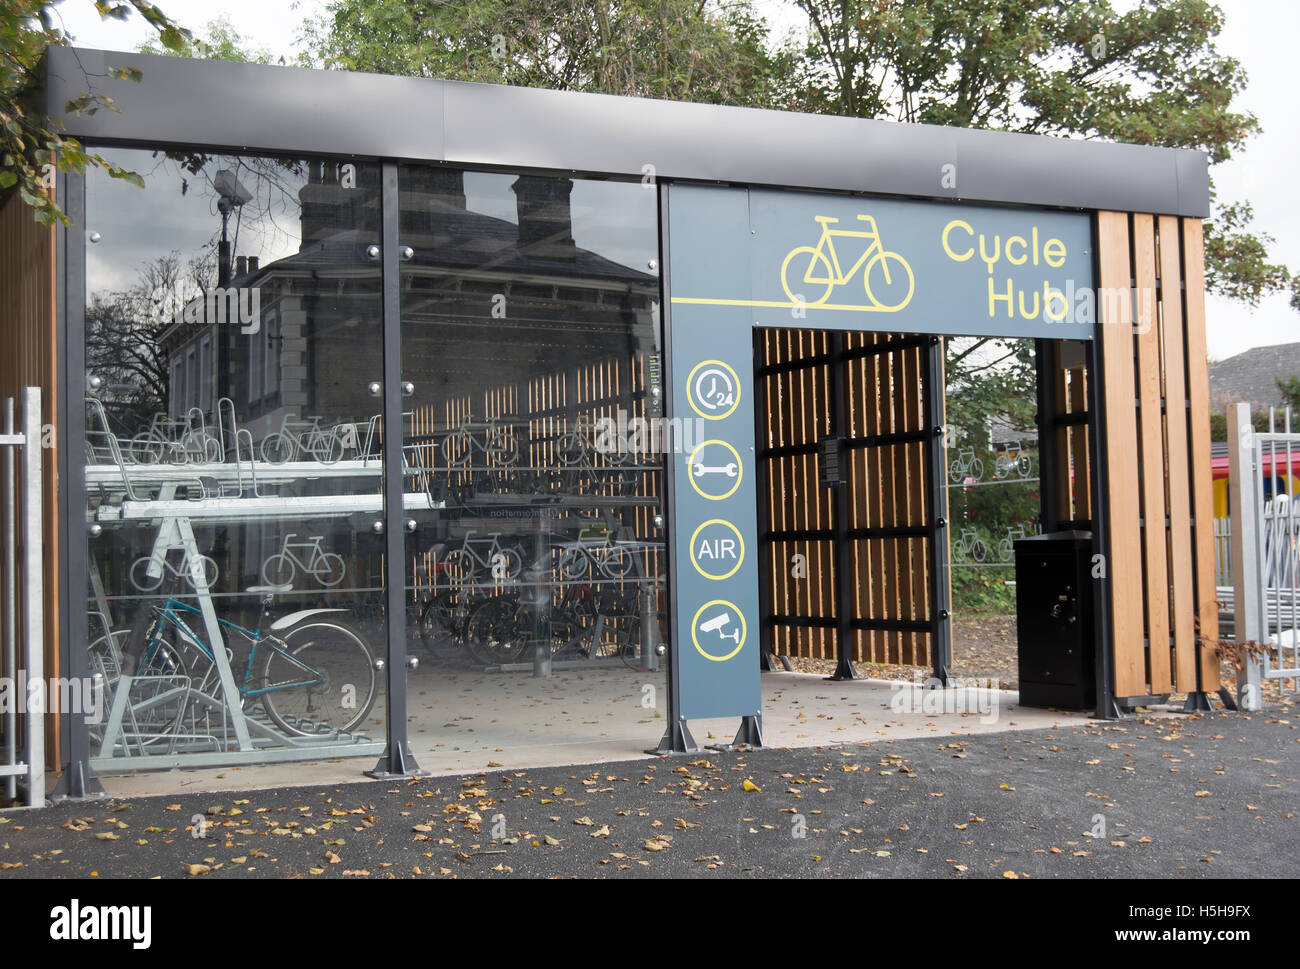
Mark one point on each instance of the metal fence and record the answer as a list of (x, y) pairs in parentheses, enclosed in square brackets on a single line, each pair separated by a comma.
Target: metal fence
[(1265, 544), (1223, 551), (22, 619)]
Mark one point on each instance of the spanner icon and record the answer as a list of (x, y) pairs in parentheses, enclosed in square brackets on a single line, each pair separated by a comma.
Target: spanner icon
[(728, 469)]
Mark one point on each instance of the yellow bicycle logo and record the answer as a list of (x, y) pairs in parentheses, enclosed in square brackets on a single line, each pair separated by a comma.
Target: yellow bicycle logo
[(809, 273)]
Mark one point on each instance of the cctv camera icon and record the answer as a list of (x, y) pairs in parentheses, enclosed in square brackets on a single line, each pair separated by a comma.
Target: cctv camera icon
[(716, 624)]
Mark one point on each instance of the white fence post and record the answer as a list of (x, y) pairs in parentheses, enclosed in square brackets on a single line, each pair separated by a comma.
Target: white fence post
[(1245, 509)]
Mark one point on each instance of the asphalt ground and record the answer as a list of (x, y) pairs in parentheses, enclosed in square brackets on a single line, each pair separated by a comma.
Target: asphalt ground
[(1206, 796)]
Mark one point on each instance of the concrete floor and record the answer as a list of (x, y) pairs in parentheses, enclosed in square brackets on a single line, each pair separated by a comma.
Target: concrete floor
[(464, 721)]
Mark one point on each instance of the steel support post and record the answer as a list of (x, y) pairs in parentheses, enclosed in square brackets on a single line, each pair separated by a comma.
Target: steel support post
[(397, 760)]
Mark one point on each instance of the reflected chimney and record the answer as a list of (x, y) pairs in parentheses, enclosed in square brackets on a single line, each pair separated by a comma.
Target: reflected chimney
[(545, 218)]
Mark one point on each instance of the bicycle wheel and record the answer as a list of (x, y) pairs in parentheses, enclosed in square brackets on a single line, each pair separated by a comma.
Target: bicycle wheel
[(573, 563), (1024, 465), (893, 284), (318, 680), (327, 448), (457, 448), (617, 562), (807, 276), (278, 448), (157, 704), (278, 570), (210, 572), (140, 577), (977, 469), (330, 569), (146, 449), (498, 631), (955, 470)]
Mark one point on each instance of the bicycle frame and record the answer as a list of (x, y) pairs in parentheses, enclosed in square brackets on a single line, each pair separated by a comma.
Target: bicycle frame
[(171, 614), (826, 245)]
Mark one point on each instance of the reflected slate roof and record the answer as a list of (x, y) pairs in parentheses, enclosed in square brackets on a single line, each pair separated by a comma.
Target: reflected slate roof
[(1251, 377)]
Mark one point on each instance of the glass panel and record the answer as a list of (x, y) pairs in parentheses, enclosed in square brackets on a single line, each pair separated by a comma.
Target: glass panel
[(530, 330), (233, 327)]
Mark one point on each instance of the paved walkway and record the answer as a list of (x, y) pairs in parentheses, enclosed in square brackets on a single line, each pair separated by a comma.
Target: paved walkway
[(1157, 797)]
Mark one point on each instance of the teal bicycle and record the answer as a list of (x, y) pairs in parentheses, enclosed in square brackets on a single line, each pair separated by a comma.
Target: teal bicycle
[(314, 676)]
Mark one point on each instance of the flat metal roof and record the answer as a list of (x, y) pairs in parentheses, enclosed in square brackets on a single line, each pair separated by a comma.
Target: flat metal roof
[(288, 110)]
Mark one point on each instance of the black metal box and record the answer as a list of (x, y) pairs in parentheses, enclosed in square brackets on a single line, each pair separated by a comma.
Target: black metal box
[(1054, 621)]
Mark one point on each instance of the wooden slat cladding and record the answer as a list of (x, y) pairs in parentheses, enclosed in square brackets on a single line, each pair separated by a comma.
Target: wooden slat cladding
[(1160, 569), (886, 490), (29, 359)]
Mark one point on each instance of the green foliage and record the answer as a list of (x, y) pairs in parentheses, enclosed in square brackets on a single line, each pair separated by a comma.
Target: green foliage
[(1151, 75), (32, 145), (220, 42), (983, 592), (1290, 388), (697, 50)]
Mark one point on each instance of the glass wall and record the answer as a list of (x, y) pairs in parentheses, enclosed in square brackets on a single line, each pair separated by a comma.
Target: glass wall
[(530, 327), (233, 342)]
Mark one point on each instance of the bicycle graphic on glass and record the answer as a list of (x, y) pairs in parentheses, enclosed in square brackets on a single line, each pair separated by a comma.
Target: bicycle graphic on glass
[(971, 545), (1012, 460), (809, 273), (327, 568), (966, 466)]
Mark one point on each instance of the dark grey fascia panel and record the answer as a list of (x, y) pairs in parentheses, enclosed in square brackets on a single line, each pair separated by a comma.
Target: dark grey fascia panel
[(285, 109)]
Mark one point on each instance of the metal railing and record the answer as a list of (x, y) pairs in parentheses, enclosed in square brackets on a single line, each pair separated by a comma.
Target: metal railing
[(23, 621)]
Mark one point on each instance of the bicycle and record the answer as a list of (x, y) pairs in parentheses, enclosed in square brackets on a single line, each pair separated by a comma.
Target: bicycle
[(1006, 547), (575, 453), (971, 545), (297, 437), (1012, 459), (614, 561), (313, 676), (144, 580), (966, 465), (819, 265), (498, 443), (327, 568), (502, 561)]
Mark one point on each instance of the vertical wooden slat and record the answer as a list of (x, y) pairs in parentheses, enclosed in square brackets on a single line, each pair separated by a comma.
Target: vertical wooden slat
[(1198, 417), (1152, 454), (1124, 550), (1182, 601)]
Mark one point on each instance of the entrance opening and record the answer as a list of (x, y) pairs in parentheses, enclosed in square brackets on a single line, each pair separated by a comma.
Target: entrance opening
[(933, 496)]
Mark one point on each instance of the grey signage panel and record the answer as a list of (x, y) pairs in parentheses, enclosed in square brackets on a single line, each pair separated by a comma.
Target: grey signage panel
[(716, 591), (850, 263)]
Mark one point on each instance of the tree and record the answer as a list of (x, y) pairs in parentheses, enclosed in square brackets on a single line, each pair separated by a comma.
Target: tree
[(1151, 75), (697, 50), (32, 145)]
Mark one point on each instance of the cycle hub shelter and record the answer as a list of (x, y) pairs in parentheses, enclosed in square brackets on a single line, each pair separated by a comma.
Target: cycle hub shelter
[(378, 372)]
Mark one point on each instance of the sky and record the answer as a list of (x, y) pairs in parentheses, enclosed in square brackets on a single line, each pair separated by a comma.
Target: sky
[(1261, 34)]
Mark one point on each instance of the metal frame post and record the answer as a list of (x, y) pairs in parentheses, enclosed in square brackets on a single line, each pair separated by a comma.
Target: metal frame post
[(33, 591), (10, 632), (1244, 508), (843, 545), (396, 760), (77, 780), (677, 737), (1106, 709), (932, 392)]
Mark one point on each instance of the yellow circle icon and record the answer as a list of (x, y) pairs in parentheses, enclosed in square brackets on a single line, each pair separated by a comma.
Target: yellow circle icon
[(732, 470), (740, 548), (727, 625), (709, 382)]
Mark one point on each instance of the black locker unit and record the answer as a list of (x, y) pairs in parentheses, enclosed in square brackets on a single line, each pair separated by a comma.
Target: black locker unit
[(1054, 620)]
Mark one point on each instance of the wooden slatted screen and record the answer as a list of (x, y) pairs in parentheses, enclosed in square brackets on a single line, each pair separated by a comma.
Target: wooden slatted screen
[(29, 359), (881, 376), (1155, 384)]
